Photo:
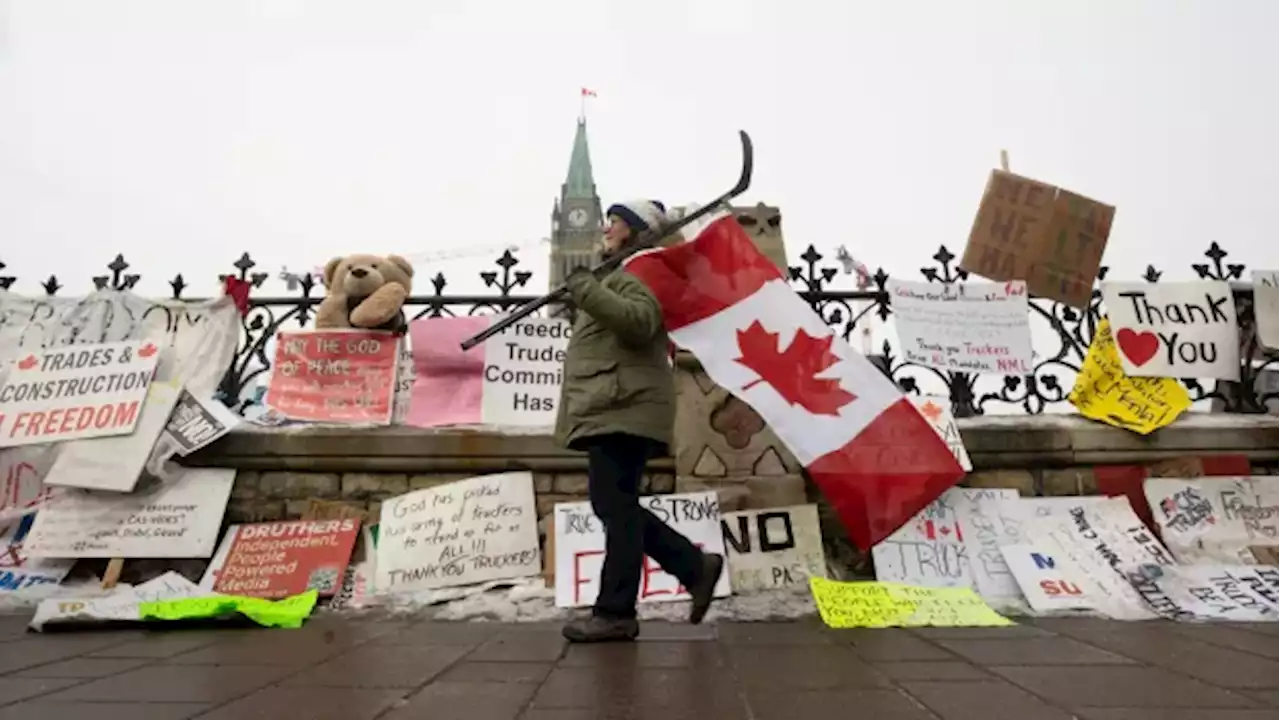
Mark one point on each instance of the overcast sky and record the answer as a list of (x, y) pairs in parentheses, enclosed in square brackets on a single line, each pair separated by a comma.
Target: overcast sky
[(182, 132)]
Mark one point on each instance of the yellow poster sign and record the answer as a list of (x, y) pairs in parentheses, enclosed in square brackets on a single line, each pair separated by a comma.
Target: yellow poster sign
[(288, 612), (1104, 393), (882, 605)]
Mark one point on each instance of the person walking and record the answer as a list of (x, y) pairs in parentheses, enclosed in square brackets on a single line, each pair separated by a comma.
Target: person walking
[(617, 404)]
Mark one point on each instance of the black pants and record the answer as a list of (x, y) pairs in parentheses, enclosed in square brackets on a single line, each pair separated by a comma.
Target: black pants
[(615, 464)]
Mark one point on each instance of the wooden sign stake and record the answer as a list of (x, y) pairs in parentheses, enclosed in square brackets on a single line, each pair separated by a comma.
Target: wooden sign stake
[(111, 575)]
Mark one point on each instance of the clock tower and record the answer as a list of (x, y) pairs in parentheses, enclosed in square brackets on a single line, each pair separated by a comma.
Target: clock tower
[(577, 222)]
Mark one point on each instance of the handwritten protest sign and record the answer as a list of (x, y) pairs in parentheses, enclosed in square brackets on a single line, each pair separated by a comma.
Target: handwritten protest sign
[(1049, 237), (930, 549), (1266, 307), (279, 559), (1215, 520), (122, 605), (20, 573), (937, 410), (1049, 581), (405, 374), (335, 376), (178, 519), (580, 542), (844, 605), (1176, 329), (974, 327), (469, 531), (22, 470), (513, 379), (115, 463), (772, 549), (1103, 391), (77, 392), (1239, 593)]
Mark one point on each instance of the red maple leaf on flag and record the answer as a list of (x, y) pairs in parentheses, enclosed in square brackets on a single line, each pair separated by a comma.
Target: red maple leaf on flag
[(792, 372), (931, 411)]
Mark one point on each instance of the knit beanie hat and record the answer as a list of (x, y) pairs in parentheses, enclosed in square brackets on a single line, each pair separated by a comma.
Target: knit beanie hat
[(640, 215)]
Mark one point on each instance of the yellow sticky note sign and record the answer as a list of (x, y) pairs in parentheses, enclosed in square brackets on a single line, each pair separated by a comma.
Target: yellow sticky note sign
[(882, 605), (1104, 393)]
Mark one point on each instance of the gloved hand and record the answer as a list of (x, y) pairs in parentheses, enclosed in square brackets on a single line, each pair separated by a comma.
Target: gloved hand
[(580, 282)]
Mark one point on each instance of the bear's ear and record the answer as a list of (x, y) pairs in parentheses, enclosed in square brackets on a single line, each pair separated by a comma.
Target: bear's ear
[(330, 268), (401, 263)]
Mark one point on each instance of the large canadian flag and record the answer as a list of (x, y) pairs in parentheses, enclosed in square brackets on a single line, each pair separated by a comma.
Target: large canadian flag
[(869, 450)]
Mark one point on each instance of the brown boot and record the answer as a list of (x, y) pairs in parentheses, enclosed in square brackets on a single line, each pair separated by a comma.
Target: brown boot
[(705, 591), (601, 629)]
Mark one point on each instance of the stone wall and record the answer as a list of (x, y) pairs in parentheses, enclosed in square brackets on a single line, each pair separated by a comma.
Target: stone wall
[(281, 469)]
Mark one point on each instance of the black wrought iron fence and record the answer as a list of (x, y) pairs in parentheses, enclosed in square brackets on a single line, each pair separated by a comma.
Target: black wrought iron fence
[(847, 311)]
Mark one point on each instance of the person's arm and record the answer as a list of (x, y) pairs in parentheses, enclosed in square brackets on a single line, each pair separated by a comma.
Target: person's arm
[(631, 313)]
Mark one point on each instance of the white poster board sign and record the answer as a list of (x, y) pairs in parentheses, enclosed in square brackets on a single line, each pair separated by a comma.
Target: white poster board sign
[(22, 471), (1266, 307), (68, 393), (522, 367), (1174, 329), (119, 606), (937, 410), (988, 525), (469, 531), (203, 335), (405, 373), (580, 547), (970, 327), (1212, 592), (778, 548), (115, 463), (178, 519), (930, 550), (21, 574), (1215, 520), (1049, 581)]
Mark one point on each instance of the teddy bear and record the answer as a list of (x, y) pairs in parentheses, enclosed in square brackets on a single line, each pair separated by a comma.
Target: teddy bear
[(366, 292)]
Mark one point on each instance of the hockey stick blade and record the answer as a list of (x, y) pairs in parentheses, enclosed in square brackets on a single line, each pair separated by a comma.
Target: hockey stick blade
[(646, 240)]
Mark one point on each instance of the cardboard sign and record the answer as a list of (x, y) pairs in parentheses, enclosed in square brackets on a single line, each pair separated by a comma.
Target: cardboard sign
[(1049, 237), (1104, 392), (973, 327), (334, 376), (202, 335), (930, 550), (937, 410), (512, 380), (469, 531), (405, 374), (83, 391), (773, 549), (580, 544), (1266, 307), (279, 559), (1175, 330), (177, 519)]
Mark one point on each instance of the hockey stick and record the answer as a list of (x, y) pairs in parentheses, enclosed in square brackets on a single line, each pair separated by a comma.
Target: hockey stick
[(646, 240)]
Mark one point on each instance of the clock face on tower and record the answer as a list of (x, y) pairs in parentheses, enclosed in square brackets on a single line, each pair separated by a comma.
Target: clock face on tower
[(578, 218)]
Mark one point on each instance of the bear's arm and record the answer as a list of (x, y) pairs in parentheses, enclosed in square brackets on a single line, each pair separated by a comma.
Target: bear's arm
[(332, 312), (379, 307)]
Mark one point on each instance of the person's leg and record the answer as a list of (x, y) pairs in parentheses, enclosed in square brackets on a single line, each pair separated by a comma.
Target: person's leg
[(614, 466)]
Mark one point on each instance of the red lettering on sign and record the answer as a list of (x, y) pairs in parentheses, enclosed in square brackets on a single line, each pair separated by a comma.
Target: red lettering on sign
[(1054, 588)]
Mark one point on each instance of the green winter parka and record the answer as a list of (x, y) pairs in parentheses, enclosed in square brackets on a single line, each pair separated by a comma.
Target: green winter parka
[(617, 373)]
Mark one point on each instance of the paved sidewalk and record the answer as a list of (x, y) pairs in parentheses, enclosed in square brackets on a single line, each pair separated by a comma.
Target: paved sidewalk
[(340, 668)]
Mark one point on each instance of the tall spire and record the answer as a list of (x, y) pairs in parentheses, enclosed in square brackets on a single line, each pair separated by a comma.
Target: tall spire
[(580, 183)]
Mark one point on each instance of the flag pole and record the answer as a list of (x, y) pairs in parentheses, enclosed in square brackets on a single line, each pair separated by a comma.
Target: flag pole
[(1004, 160)]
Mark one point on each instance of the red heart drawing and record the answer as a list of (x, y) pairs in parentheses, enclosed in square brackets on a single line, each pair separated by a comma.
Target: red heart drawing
[(147, 350), (1138, 347), (27, 362)]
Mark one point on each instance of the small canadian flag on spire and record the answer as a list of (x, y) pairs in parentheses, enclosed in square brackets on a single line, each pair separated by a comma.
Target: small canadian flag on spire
[(586, 93)]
